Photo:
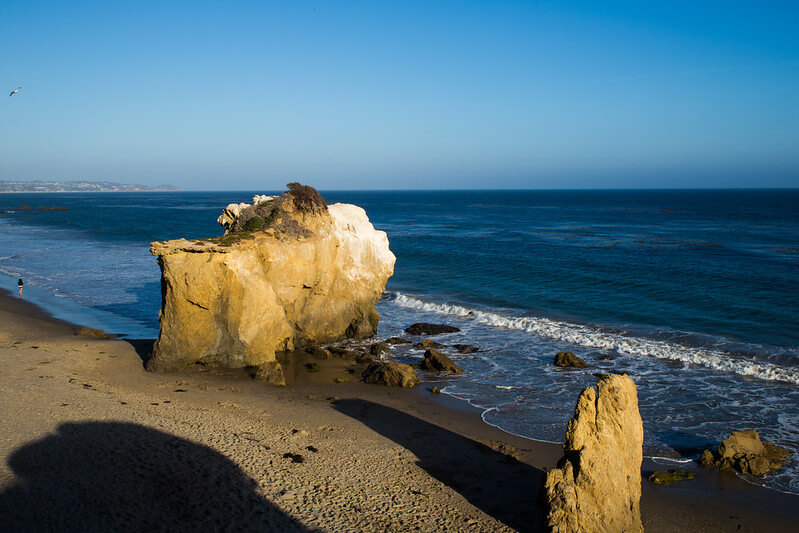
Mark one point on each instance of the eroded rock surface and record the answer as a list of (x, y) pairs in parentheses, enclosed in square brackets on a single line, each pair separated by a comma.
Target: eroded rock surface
[(745, 452), (305, 274), (597, 485)]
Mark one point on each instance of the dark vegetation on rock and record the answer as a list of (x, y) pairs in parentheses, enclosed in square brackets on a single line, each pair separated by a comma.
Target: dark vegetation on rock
[(390, 374), (438, 362), (422, 328), (306, 199), (745, 452), (568, 360)]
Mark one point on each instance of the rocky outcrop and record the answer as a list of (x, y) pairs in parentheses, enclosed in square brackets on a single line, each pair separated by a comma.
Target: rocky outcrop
[(390, 374), (745, 452), (597, 485), (421, 328), (307, 274), (568, 360), (438, 362), (466, 348)]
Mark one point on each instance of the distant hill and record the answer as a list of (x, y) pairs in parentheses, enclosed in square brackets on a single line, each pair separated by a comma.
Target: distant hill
[(78, 186)]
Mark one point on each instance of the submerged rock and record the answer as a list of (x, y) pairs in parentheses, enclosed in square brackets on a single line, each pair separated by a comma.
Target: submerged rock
[(271, 372), (429, 343), (422, 328), (597, 485), (311, 274), (568, 360), (438, 362), (397, 340), (390, 374), (745, 452), (466, 348)]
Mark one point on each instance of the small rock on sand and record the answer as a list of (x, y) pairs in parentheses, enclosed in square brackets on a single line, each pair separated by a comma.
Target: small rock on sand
[(390, 374), (91, 332)]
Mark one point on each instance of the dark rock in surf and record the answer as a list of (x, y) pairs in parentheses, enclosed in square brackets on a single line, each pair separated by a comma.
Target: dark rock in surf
[(568, 360), (428, 343), (379, 348), (466, 348), (438, 362), (422, 328), (397, 340)]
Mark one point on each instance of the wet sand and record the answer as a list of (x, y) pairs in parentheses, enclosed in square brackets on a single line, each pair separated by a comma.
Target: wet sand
[(92, 441)]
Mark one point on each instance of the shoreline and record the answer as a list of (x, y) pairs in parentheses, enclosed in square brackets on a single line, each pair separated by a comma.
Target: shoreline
[(426, 460)]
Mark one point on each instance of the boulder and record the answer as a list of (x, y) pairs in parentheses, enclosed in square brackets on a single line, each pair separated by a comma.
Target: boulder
[(670, 477), (421, 328), (745, 452), (397, 340), (466, 348), (597, 485), (438, 362), (429, 343), (390, 374), (319, 352), (271, 372), (311, 274), (379, 348), (568, 360)]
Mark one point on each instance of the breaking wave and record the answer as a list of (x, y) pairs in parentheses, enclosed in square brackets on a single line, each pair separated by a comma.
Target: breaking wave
[(589, 337)]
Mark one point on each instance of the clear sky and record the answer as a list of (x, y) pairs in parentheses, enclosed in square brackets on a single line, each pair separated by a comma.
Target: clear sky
[(390, 95)]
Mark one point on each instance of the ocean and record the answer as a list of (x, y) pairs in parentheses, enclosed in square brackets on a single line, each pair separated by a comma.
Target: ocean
[(693, 293)]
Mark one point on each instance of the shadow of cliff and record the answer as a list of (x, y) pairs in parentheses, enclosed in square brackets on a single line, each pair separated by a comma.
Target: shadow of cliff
[(498, 484), (143, 347), (105, 476)]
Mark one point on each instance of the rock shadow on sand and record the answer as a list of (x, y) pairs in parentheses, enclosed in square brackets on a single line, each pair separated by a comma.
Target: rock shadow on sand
[(496, 483), (104, 476)]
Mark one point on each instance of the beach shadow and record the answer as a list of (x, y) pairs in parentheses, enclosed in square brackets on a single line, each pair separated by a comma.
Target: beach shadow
[(108, 476), (498, 484), (143, 347)]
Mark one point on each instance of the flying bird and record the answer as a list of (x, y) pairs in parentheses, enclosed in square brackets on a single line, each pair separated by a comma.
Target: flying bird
[(15, 91)]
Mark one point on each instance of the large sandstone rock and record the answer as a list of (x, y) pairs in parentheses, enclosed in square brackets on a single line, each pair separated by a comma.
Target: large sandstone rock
[(597, 485), (306, 274), (745, 452)]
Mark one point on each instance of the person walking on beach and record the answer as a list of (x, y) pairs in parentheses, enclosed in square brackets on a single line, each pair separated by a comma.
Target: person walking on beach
[(20, 287)]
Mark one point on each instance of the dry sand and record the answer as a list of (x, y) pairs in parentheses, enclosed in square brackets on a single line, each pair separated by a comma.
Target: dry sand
[(91, 441)]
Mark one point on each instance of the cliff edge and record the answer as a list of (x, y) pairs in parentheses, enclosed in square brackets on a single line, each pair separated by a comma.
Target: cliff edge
[(290, 271)]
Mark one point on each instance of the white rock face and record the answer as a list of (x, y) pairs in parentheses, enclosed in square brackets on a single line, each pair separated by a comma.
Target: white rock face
[(230, 214), (262, 199)]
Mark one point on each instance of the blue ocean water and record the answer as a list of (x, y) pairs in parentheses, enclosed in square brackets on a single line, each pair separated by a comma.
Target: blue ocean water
[(693, 293)]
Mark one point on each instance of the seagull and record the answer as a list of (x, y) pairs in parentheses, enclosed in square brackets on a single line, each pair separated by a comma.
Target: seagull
[(15, 91)]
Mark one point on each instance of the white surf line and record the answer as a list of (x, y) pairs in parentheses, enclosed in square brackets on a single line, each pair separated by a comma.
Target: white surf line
[(588, 338)]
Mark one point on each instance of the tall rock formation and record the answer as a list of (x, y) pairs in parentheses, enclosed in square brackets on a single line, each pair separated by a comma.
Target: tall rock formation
[(597, 485), (289, 272)]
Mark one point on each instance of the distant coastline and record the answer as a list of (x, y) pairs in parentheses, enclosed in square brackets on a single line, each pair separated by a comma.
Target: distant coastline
[(9, 186)]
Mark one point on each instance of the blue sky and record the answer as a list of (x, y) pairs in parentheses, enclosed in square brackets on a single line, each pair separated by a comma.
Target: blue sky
[(384, 95)]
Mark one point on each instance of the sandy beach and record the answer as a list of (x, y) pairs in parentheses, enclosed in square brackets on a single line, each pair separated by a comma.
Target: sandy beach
[(92, 441)]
